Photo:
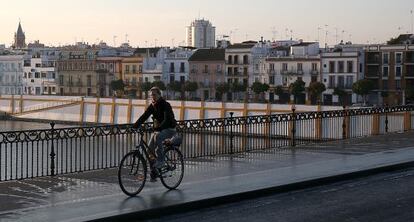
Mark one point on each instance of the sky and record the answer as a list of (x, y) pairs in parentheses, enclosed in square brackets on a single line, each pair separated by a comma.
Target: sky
[(146, 23)]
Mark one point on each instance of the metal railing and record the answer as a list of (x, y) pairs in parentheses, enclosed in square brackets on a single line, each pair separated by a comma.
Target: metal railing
[(55, 151)]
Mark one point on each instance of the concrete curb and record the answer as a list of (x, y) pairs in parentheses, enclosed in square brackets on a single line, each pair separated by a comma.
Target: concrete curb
[(199, 204)]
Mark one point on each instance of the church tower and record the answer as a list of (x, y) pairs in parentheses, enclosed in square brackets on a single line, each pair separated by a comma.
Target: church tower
[(19, 38)]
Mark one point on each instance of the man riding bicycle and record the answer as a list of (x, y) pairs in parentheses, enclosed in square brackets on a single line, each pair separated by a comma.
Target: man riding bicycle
[(164, 125)]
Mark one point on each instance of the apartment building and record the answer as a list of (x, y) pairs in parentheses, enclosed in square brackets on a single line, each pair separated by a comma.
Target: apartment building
[(391, 68), (341, 68), (207, 69)]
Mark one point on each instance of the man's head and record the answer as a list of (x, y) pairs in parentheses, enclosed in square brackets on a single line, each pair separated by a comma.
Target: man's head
[(155, 94)]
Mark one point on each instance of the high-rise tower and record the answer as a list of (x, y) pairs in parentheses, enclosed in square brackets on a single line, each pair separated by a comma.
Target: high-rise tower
[(201, 34)]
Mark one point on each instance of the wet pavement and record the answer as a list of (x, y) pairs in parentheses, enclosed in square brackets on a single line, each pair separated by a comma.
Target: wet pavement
[(94, 195)]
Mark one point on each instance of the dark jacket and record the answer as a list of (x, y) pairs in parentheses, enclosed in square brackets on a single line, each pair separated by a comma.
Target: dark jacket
[(162, 114)]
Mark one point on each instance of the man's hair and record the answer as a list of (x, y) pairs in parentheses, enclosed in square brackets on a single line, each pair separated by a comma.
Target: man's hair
[(156, 90)]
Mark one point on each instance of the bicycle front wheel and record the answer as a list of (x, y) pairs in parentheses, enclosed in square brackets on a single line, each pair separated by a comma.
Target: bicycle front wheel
[(173, 173), (132, 173)]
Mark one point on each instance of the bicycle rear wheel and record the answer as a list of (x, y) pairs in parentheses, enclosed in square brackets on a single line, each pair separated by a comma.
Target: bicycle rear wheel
[(132, 173), (173, 173)]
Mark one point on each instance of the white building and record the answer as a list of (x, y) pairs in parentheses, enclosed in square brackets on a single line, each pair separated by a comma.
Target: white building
[(201, 34), (176, 66), (341, 68), (39, 76), (11, 73), (303, 63)]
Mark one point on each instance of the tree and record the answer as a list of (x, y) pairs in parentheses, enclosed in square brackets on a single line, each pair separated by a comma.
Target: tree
[(118, 86), (259, 88), (238, 87), (222, 88), (297, 88), (190, 87), (341, 94), (159, 84), (279, 91), (176, 87), (316, 89), (145, 87), (363, 87)]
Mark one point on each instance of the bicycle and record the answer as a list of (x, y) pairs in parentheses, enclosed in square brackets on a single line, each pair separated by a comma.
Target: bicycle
[(132, 171)]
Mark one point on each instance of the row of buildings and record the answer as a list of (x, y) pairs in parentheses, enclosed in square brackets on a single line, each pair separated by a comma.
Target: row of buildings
[(88, 70)]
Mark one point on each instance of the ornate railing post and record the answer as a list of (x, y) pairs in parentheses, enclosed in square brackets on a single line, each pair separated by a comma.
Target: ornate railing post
[(344, 123), (386, 118), (52, 151), (293, 142), (231, 132)]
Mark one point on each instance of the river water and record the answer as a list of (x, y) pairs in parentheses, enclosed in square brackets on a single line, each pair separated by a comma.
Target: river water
[(12, 125)]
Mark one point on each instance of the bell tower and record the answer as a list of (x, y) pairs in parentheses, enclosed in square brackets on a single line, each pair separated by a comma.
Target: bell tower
[(19, 38)]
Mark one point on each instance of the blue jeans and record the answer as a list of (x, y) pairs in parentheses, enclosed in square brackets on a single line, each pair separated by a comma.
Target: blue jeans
[(155, 144)]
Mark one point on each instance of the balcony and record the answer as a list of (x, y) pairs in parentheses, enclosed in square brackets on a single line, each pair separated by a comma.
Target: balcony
[(314, 72), (194, 71), (291, 72), (371, 75), (271, 71)]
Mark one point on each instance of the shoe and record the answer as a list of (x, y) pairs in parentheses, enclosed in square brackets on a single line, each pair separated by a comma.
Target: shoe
[(153, 177)]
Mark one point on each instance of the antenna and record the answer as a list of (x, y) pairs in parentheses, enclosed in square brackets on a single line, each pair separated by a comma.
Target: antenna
[(115, 40), (319, 29), (412, 28), (326, 36), (336, 35), (274, 32)]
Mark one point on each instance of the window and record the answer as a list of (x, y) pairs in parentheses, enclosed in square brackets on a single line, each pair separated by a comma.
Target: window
[(349, 82), (331, 82), (398, 71), (331, 66), (300, 67), (43, 75), (61, 80), (272, 66), (398, 57), (127, 69), (205, 69), (89, 80), (172, 79), (37, 75), (350, 66), (314, 66), (284, 66), (218, 68), (245, 59), (271, 80), (182, 67), (140, 69), (134, 69), (245, 72), (398, 84), (341, 82), (385, 71), (229, 71), (341, 67), (172, 68), (385, 58), (182, 79), (230, 59)]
